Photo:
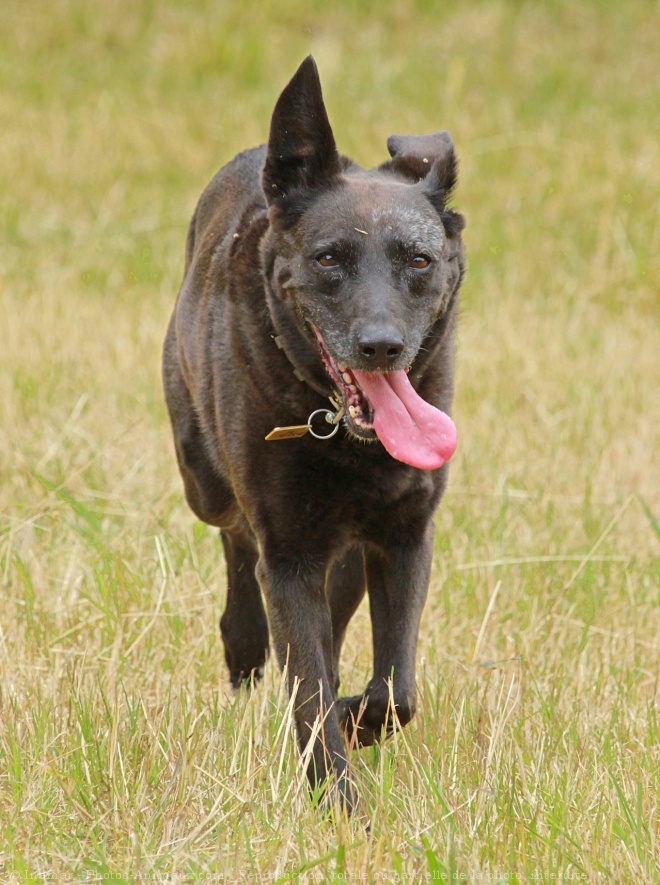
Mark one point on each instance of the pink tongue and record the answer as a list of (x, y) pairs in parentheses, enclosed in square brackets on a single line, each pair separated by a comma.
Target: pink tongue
[(412, 430)]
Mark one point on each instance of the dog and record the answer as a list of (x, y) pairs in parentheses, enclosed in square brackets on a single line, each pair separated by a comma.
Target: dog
[(308, 374)]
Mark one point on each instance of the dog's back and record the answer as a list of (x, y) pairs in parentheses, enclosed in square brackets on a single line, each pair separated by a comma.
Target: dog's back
[(230, 191)]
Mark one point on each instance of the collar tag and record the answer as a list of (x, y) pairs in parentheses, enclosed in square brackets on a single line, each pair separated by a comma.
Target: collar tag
[(292, 432), (296, 430)]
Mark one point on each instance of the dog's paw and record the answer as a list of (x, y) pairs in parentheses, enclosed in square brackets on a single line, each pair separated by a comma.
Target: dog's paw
[(367, 718), (240, 679), (242, 674)]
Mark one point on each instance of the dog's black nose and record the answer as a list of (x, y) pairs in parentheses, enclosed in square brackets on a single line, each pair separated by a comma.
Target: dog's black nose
[(380, 346)]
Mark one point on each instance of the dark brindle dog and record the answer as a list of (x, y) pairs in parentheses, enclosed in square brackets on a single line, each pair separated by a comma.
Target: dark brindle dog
[(313, 284)]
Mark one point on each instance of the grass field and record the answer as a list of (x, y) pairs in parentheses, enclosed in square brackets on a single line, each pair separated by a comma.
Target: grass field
[(535, 753)]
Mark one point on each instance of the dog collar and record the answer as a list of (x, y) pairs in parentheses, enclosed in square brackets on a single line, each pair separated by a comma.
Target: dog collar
[(296, 430), (299, 352), (301, 374)]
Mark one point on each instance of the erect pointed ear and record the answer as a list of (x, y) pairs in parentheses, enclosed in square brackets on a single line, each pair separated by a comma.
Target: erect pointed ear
[(430, 160), (301, 152)]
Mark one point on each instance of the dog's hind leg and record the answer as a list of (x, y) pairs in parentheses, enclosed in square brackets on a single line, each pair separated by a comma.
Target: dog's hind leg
[(345, 587), (209, 495), (243, 625), (397, 580)]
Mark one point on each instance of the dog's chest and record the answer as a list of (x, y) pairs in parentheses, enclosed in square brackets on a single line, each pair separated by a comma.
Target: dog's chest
[(365, 496)]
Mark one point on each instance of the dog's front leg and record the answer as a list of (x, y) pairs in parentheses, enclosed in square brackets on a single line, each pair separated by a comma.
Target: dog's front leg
[(301, 631), (398, 579)]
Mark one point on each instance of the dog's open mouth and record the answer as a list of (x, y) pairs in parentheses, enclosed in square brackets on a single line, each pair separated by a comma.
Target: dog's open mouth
[(385, 405), (358, 412)]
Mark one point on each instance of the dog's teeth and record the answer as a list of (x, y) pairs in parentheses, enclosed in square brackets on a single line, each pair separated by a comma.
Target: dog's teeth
[(341, 367), (347, 378), (352, 388), (353, 411)]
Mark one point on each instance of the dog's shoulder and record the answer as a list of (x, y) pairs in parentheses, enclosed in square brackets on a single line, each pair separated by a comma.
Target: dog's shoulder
[(232, 189)]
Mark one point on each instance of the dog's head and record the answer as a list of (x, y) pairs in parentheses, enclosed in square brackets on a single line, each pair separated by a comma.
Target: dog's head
[(369, 260)]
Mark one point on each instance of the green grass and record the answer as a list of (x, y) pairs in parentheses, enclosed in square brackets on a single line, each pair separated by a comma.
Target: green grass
[(535, 753)]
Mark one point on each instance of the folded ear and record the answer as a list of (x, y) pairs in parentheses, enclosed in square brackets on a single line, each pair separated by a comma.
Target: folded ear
[(431, 161), (301, 153), (414, 155)]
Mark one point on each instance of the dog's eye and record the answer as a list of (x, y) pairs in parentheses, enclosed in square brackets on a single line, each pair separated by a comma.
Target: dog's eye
[(327, 259), (419, 262)]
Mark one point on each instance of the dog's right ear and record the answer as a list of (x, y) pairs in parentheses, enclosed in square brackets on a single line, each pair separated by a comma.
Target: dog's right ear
[(301, 154)]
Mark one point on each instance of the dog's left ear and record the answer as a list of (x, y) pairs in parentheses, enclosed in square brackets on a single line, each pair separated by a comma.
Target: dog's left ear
[(415, 155), (301, 154), (431, 161)]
